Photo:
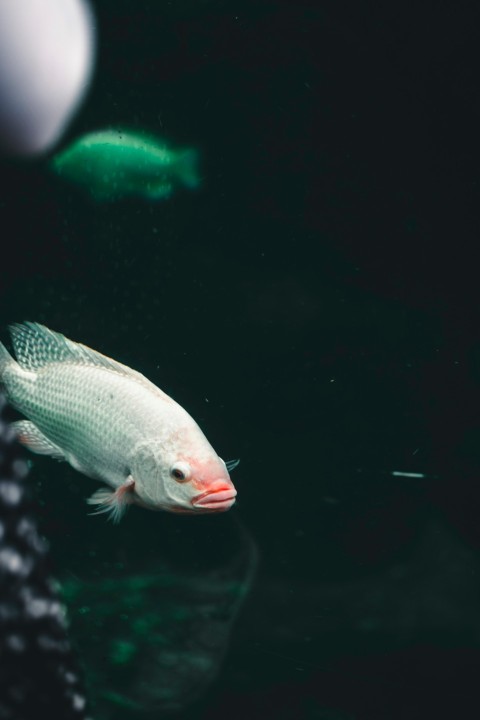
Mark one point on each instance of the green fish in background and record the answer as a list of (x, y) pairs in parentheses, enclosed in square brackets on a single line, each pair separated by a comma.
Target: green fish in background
[(113, 164)]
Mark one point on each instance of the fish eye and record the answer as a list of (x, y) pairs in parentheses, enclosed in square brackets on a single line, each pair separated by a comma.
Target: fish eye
[(180, 471)]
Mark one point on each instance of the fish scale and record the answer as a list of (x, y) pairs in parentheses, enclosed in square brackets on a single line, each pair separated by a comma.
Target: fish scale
[(110, 423), (80, 408)]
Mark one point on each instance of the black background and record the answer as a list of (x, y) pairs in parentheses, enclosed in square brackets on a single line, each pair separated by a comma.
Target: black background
[(315, 306)]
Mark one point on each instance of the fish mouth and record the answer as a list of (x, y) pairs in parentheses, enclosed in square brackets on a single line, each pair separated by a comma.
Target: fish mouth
[(215, 499)]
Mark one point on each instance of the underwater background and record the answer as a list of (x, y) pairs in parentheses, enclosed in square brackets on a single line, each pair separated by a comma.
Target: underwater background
[(314, 304)]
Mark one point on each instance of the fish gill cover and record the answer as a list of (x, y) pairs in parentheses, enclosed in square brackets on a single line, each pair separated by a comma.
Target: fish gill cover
[(39, 677)]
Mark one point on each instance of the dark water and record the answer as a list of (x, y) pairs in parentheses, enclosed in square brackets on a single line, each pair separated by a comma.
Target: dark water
[(315, 307)]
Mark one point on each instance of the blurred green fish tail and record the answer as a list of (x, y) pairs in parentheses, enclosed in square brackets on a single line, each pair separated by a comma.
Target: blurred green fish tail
[(5, 360), (187, 168)]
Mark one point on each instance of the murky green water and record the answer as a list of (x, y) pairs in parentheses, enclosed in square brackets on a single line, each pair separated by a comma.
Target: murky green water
[(313, 304)]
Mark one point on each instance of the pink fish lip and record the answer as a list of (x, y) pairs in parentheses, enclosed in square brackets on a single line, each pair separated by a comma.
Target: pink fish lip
[(215, 499)]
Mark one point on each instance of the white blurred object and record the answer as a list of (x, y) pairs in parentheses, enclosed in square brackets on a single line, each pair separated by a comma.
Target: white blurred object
[(46, 61)]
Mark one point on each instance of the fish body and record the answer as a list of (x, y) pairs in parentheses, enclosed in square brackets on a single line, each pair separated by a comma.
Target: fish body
[(111, 424), (113, 164)]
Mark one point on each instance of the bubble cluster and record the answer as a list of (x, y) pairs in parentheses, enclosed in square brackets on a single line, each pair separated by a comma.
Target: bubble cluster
[(38, 672)]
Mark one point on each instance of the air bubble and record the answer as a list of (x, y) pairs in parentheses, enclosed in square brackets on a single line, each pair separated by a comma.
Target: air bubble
[(12, 561), (16, 643), (10, 492), (20, 468), (79, 702)]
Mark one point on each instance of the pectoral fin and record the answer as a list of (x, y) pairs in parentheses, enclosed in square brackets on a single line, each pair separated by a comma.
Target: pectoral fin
[(30, 436), (114, 503)]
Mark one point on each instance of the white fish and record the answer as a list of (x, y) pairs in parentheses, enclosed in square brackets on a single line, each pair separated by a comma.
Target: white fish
[(112, 424)]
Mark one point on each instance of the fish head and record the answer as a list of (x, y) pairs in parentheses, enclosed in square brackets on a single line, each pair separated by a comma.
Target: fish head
[(182, 483), (207, 483)]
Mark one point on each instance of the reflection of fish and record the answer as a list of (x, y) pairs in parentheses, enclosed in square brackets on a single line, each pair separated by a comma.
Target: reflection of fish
[(154, 629), (113, 163), (111, 423)]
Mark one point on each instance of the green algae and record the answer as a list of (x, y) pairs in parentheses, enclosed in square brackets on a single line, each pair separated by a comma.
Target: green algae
[(122, 651)]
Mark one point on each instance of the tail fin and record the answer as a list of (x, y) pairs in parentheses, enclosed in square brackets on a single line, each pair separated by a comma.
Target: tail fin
[(5, 360), (187, 168)]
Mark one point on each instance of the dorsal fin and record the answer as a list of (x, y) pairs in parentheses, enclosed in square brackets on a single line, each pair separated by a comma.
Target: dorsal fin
[(36, 346)]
